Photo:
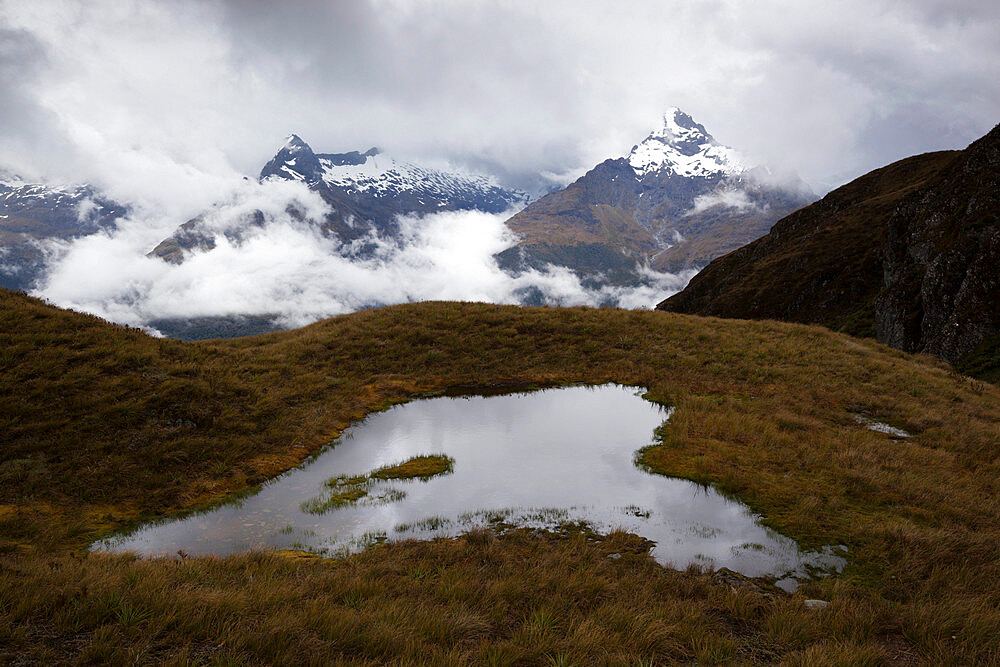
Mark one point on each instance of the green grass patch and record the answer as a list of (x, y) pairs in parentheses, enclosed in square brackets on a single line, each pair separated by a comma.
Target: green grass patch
[(419, 467), (346, 490), (335, 500)]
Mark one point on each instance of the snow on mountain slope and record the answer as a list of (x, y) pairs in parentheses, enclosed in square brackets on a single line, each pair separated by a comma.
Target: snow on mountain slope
[(365, 194), (675, 202), (383, 174), (374, 174), (68, 207), (684, 147), (35, 215)]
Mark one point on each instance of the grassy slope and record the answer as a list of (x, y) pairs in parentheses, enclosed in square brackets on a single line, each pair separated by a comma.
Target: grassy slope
[(821, 264), (103, 425)]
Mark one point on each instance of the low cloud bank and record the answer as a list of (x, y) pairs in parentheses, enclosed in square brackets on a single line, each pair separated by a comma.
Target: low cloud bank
[(285, 266), (734, 199)]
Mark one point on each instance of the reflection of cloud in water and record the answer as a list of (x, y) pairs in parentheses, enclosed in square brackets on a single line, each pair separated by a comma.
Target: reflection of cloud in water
[(537, 460)]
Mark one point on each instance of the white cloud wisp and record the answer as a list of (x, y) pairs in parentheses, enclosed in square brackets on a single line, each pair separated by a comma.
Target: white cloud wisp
[(288, 269)]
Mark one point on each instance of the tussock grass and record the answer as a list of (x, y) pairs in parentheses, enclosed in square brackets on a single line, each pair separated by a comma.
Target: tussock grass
[(104, 426), (419, 467), (348, 490), (344, 490)]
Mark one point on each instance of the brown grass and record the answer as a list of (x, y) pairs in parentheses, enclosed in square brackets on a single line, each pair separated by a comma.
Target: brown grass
[(103, 426)]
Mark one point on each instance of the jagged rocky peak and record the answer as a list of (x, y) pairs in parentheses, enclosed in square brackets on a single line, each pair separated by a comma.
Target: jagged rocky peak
[(366, 191), (352, 158), (294, 160), (684, 147), (297, 160), (682, 132), (373, 173), (294, 144)]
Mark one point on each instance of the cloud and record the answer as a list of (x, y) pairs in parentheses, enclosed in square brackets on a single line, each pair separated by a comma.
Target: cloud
[(734, 199), (166, 102), (286, 267), (166, 106)]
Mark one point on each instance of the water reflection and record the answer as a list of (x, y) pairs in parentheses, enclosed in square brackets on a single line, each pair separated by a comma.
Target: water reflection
[(537, 459)]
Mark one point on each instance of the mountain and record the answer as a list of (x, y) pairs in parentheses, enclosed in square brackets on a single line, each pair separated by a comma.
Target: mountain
[(676, 201), (365, 191), (909, 254), (34, 214)]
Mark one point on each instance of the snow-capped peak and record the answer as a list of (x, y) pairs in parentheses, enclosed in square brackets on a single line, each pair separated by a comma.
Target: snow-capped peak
[(377, 175), (294, 144), (684, 147)]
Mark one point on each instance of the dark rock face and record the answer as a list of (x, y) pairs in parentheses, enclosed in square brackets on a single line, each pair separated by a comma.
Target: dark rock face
[(190, 236), (32, 214), (294, 160), (909, 253), (821, 264), (941, 282)]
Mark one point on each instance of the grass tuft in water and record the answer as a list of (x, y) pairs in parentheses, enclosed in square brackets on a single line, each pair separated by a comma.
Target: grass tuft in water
[(348, 490), (343, 493), (419, 467), (428, 524)]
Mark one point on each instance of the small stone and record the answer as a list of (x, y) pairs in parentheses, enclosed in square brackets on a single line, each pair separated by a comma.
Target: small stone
[(816, 604), (614, 556)]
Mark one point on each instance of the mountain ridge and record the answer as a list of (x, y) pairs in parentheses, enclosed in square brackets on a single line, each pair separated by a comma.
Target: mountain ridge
[(922, 239), (364, 191), (33, 215), (677, 200)]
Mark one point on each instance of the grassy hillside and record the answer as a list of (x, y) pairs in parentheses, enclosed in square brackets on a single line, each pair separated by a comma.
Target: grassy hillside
[(907, 254), (103, 425), (820, 264)]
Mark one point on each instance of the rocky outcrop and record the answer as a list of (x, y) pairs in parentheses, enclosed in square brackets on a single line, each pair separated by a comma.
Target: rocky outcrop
[(941, 261)]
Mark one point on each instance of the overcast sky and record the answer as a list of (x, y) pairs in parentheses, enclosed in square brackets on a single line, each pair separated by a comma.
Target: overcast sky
[(168, 100), (167, 105)]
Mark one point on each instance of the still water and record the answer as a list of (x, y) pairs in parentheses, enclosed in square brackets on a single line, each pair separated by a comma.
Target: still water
[(536, 459)]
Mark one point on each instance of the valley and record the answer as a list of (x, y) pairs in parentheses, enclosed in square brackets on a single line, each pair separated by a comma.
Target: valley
[(319, 234)]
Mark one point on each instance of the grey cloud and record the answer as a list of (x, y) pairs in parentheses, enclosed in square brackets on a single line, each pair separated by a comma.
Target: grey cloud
[(25, 126), (516, 87), (478, 83), (167, 105)]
